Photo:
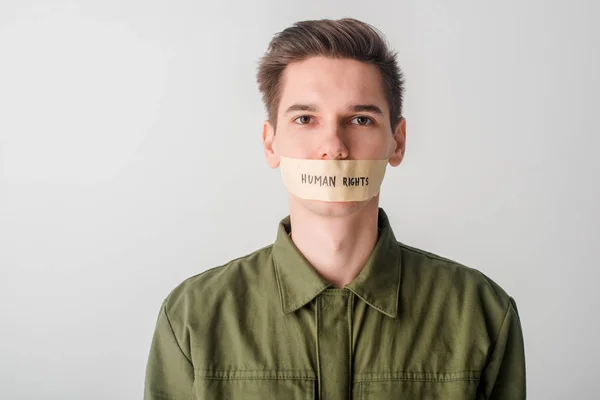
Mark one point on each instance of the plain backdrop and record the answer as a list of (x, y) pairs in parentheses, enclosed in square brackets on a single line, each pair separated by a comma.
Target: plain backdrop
[(131, 159)]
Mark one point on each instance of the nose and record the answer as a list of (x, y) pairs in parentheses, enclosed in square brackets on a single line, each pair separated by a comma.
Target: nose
[(333, 147)]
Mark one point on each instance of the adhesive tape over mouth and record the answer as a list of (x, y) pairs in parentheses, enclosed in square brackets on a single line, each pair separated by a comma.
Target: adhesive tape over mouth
[(333, 180)]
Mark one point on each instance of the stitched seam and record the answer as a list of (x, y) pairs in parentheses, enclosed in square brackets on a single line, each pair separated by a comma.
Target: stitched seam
[(225, 264), (252, 369), (468, 375), (175, 336), (465, 371), (310, 297), (397, 252), (278, 282), (506, 315), (317, 305), (399, 264), (263, 373), (495, 343), (350, 305), (297, 304), (371, 303), (249, 255), (257, 377), (179, 346), (407, 379), (431, 255)]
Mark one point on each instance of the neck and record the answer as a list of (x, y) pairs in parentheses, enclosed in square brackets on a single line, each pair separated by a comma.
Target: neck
[(337, 247)]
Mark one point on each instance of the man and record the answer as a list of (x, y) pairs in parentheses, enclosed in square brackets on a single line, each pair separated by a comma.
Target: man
[(336, 308)]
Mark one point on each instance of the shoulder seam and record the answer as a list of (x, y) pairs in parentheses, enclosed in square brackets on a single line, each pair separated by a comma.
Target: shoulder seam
[(175, 336), (432, 255), (504, 319), (216, 267)]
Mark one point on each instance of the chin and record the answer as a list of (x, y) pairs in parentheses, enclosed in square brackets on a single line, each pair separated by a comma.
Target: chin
[(332, 208)]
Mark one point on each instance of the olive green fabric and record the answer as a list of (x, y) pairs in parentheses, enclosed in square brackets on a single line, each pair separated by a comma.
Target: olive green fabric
[(412, 325)]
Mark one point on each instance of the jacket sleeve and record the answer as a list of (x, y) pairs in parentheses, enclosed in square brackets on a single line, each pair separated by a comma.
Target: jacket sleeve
[(504, 375), (169, 371)]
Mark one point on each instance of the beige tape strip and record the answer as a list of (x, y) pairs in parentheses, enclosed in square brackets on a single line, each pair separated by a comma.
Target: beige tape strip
[(333, 180)]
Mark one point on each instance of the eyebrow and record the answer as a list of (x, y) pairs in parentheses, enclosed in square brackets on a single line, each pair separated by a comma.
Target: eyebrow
[(353, 108)]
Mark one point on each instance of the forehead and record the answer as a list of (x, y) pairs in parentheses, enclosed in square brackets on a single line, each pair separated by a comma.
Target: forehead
[(332, 83)]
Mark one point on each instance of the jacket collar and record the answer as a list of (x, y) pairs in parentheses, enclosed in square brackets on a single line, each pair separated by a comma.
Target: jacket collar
[(378, 283)]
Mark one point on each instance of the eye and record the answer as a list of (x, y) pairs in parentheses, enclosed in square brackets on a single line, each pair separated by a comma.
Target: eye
[(303, 119), (362, 120)]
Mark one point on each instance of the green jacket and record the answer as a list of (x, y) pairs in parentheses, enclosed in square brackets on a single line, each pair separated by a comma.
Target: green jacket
[(412, 325)]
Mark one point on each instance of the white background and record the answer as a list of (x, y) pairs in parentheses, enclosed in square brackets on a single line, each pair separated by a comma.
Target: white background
[(130, 159)]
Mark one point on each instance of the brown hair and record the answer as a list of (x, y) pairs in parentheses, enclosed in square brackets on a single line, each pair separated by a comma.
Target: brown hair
[(343, 38)]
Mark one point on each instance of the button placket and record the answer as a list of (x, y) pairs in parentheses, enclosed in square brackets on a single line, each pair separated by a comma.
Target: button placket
[(334, 344)]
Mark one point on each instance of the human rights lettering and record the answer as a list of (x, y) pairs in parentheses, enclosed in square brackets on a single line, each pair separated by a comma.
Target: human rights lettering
[(325, 180)]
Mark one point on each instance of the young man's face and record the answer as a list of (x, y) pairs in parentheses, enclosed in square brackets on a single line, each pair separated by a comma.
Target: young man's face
[(333, 109)]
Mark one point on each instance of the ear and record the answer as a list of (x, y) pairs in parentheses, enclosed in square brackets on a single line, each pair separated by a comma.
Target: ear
[(268, 140), (400, 142)]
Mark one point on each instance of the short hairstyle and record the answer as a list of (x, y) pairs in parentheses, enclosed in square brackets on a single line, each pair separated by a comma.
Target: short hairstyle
[(343, 38)]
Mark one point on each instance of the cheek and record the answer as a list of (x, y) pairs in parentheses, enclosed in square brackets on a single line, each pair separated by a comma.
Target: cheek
[(293, 145), (369, 145)]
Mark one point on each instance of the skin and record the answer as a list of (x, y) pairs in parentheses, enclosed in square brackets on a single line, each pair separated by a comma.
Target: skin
[(335, 237)]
